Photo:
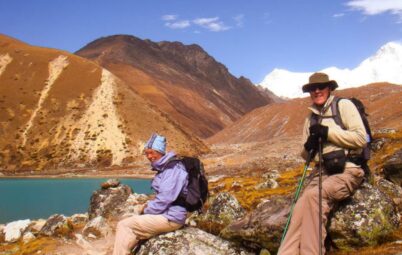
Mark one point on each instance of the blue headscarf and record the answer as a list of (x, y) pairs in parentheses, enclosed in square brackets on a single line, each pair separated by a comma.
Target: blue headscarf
[(157, 142)]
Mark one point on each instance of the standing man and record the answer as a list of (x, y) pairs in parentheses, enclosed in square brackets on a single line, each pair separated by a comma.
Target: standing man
[(159, 215), (340, 177)]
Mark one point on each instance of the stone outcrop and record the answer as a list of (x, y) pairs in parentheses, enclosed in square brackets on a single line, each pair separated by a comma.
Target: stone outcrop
[(56, 225), (13, 231), (108, 202), (111, 183), (96, 228), (364, 219), (223, 209), (393, 168), (263, 227), (78, 221), (392, 190), (190, 241)]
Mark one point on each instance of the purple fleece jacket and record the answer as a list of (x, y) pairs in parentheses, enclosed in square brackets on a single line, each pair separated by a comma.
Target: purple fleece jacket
[(169, 181)]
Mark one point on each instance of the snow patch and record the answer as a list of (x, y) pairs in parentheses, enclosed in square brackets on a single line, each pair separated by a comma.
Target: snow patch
[(4, 61), (102, 124), (56, 66), (384, 66)]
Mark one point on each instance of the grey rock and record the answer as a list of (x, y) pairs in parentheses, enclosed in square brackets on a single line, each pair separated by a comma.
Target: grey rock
[(27, 237), (393, 168), (108, 202), (78, 221), (111, 183), (385, 131), (261, 228), (56, 225), (364, 219), (97, 228), (271, 175), (190, 241), (13, 231), (392, 190), (223, 209), (378, 144), (268, 184)]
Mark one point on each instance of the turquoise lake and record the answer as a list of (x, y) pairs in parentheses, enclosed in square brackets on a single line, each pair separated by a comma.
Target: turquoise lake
[(40, 198)]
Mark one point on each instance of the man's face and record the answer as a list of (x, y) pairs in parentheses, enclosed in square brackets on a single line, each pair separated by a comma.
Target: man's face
[(152, 155), (319, 94)]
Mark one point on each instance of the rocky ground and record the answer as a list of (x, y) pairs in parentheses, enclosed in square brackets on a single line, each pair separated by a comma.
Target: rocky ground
[(251, 186)]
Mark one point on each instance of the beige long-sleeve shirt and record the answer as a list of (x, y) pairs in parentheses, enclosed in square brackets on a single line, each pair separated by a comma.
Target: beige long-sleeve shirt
[(352, 140)]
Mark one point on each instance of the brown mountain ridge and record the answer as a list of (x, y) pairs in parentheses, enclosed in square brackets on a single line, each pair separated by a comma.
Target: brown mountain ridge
[(61, 111), (286, 119), (182, 80)]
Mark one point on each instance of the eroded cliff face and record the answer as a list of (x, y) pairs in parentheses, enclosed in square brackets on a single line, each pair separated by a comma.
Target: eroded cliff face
[(60, 111), (181, 80)]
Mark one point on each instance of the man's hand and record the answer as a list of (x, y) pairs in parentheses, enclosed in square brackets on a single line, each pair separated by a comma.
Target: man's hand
[(319, 131), (311, 144)]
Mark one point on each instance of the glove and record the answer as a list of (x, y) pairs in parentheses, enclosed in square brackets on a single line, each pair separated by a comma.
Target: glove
[(319, 131), (312, 143)]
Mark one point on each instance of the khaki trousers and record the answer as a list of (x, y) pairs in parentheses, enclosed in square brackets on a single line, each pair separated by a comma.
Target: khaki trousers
[(129, 231), (303, 233)]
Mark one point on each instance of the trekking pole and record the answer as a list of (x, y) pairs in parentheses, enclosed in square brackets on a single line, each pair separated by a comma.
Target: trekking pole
[(320, 185), (299, 187), (320, 193)]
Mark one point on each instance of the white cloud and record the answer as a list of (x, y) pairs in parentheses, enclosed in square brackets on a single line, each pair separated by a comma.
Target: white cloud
[(338, 15), (212, 24), (374, 7), (239, 19), (169, 17), (178, 24)]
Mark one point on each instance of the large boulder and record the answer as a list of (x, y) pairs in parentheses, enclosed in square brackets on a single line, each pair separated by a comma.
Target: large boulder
[(223, 209), (96, 228), (56, 226), (364, 219), (78, 221), (13, 231), (393, 168), (190, 241), (263, 227), (392, 190), (108, 201)]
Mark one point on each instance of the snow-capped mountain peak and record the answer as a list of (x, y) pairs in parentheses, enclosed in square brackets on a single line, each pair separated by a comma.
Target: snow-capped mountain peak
[(384, 66)]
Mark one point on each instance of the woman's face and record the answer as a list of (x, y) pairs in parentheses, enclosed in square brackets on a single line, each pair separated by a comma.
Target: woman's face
[(152, 155), (319, 95)]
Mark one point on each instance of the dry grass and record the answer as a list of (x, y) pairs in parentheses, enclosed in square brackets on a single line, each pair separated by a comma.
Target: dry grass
[(42, 245)]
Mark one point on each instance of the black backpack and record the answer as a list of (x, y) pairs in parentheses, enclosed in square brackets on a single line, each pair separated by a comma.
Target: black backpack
[(364, 157), (197, 187)]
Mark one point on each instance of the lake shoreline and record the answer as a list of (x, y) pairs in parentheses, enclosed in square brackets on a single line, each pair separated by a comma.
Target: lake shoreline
[(83, 174)]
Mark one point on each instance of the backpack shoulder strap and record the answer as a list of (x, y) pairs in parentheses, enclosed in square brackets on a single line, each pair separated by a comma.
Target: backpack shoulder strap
[(335, 112)]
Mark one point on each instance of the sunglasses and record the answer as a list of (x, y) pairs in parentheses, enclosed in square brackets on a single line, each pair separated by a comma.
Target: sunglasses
[(320, 86)]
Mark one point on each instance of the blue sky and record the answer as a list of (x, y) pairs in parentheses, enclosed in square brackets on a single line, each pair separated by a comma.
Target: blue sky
[(250, 37)]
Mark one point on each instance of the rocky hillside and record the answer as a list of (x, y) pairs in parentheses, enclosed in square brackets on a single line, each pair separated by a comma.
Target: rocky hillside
[(285, 119), (62, 111), (181, 80)]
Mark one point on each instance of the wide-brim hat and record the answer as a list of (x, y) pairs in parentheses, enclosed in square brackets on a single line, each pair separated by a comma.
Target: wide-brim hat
[(319, 78)]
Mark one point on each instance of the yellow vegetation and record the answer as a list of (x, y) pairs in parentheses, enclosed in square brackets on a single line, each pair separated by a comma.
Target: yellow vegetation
[(42, 245)]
